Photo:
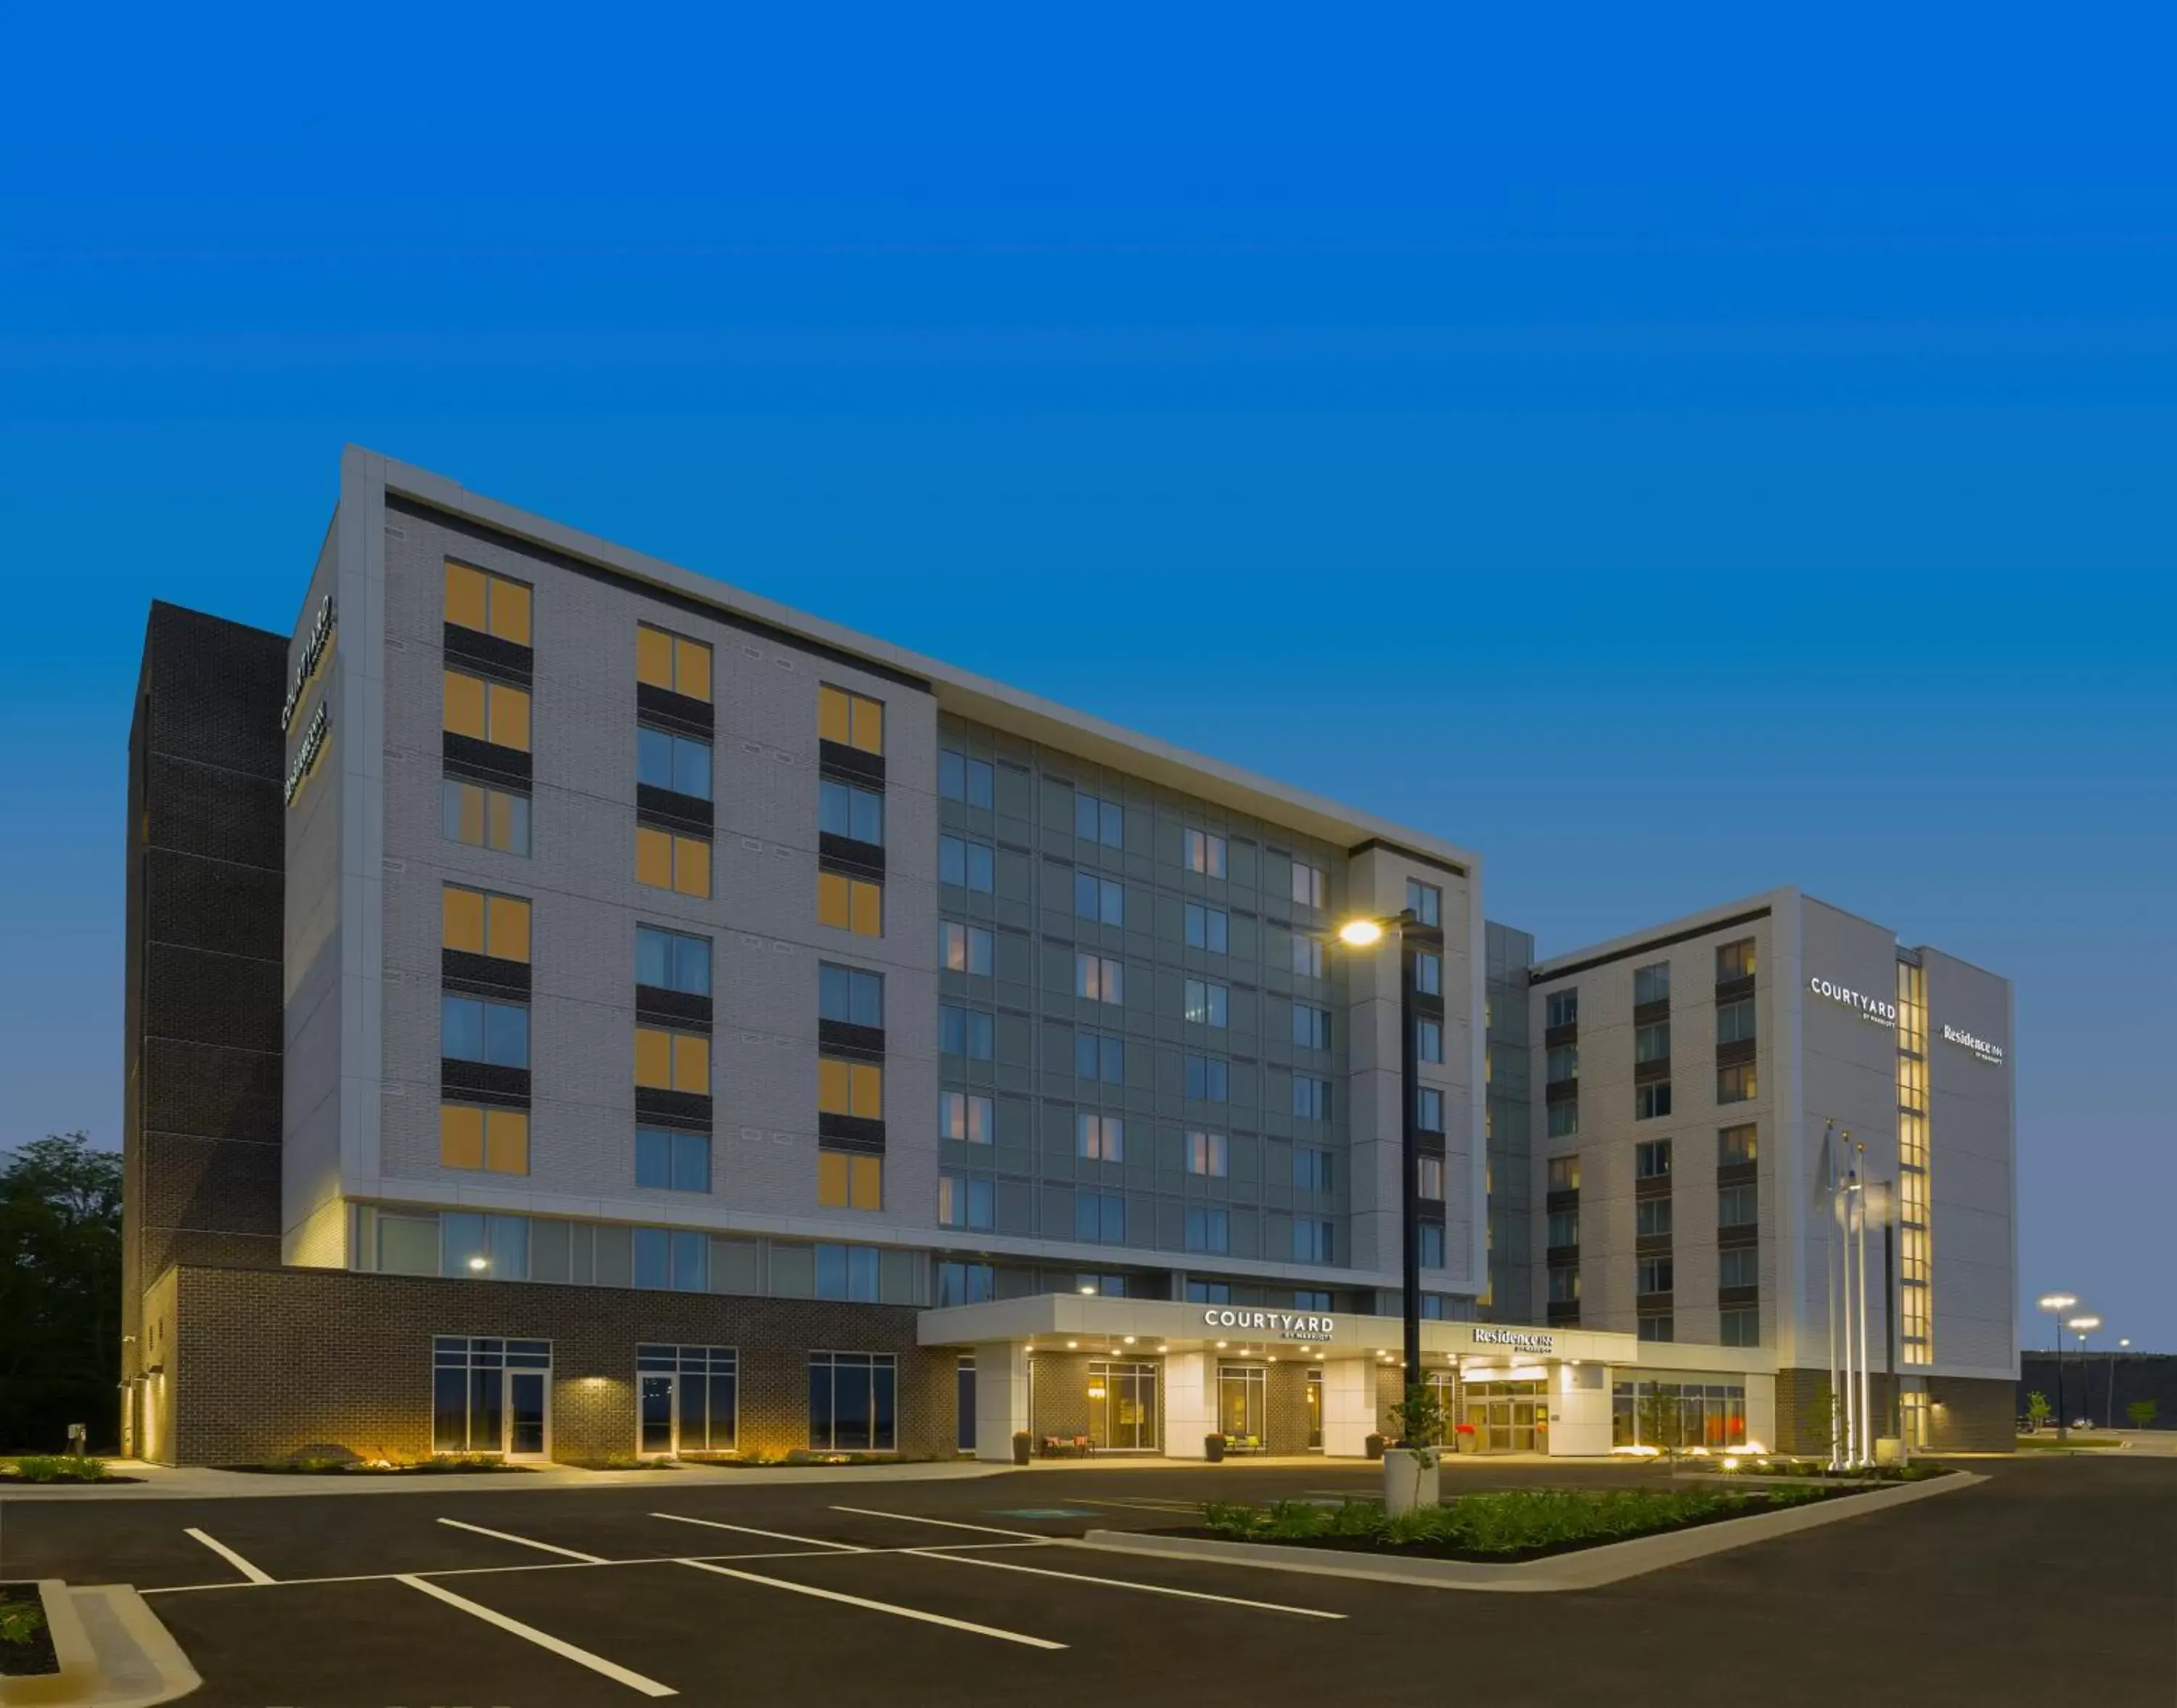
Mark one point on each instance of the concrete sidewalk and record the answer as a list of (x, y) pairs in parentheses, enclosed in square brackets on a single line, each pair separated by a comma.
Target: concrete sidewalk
[(197, 1482)]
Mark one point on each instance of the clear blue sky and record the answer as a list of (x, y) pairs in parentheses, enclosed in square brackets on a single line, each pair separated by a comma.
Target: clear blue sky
[(1671, 453)]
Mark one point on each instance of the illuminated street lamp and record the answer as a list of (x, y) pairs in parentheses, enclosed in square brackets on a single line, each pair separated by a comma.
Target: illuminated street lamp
[(1368, 934), (2108, 1405), (2058, 1303), (2082, 1327)]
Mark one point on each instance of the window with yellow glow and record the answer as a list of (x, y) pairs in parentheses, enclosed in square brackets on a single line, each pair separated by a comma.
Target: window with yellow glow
[(487, 711), (668, 861), (849, 1182), (673, 662), (482, 923), (668, 1061), (849, 1087), (494, 1140), (487, 604), (850, 905), (854, 720)]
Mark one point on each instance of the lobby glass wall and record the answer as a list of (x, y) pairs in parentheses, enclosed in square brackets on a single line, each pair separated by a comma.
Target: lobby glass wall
[(1243, 1410), (1122, 1407), (489, 1396), (853, 1402), (1650, 1412)]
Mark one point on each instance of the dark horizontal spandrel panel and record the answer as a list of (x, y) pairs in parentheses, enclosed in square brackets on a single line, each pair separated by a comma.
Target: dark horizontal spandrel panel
[(685, 1109), (671, 711), (669, 809), (202, 903), (483, 974), (486, 761), (211, 1091), (508, 661), (681, 1007), (211, 999)]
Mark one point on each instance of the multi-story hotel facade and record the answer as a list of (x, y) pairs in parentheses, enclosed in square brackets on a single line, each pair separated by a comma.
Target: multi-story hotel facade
[(578, 1008)]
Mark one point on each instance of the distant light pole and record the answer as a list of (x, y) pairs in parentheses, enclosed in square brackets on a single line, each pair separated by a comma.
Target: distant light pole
[(2109, 1405), (2084, 1327), (2058, 1303), (1367, 933)]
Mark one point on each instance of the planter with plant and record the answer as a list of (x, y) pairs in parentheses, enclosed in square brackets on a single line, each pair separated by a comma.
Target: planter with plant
[(26, 1641), (1411, 1468)]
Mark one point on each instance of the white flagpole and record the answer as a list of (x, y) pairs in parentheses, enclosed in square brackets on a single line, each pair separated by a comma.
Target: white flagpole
[(1828, 1247), (1844, 1266), (1866, 1347)]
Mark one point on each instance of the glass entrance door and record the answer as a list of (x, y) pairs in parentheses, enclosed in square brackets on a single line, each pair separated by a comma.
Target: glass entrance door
[(1315, 1411), (525, 1413), (491, 1396), (1243, 1406), (656, 1414), (1507, 1416), (1122, 1407)]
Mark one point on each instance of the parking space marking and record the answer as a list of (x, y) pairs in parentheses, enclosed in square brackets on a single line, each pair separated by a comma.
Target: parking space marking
[(543, 1639), (927, 1618), (961, 1559), (777, 1535), (232, 1559), (1167, 1507), (528, 1542), (944, 1522)]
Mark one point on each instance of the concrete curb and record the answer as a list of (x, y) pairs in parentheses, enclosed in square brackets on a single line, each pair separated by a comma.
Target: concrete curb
[(196, 1483), (79, 1660), (1589, 1568), (119, 1618)]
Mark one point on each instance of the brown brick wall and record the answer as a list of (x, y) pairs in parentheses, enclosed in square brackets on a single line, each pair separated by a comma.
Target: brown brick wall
[(1972, 1415), (263, 1362)]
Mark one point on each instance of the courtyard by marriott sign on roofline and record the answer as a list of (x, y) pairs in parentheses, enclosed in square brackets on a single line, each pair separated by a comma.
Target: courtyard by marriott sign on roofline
[(1284, 1325), (1877, 1008)]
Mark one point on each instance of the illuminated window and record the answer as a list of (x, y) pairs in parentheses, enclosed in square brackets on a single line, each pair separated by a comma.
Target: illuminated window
[(670, 1061), (853, 1089), (850, 904), (1099, 1137), (1916, 1254), (1099, 978), (963, 948), (1206, 1004), (1205, 854), (478, 923), (964, 1116), (1735, 1145), (487, 604), (1734, 960), (672, 662), (854, 720), (487, 711), (667, 860), (848, 1181), (1564, 1174), (1736, 1084), (965, 1201), (481, 817), (494, 1140), (1205, 1152)]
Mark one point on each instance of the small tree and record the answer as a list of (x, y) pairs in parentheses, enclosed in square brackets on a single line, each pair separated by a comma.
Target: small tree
[(1419, 1417), (2142, 1413), (1818, 1416), (2036, 1409), (1659, 1423)]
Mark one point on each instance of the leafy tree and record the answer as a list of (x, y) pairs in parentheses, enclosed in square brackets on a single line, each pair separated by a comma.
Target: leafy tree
[(60, 1291), (2037, 1408), (2142, 1413), (1420, 1416), (1818, 1417)]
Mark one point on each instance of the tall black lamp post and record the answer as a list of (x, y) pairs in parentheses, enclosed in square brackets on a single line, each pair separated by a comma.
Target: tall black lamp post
[(1363, 934)]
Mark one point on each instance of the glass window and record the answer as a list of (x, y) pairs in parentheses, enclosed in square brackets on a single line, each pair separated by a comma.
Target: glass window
[(1561, 1009), (1562, 1063), (1100, 1216), (1652, 1217), (680, 763), (1655, 1274), (1738, 1266), (1098, 978), (1208, 1230), (1652, 983), (1207, 928), (970, 865), (1738, 1206), (488, 603), (845, 808), (852, 1089), (1564, 1118), (471, 1029), (965, 1284), (672, 662), (1428, 1109), (962, 779), (1205, 1152), (1311, 1098), (1735, 1145), (1205, 854), (673, 1258), (1432, 1244), (1564, 1228), (1657, 1328), (853, 1399), (481, 924), (1564, 1174), (1564, 1284), (670, 1061), (1307, 955), (1428, 1039), (847, 1272), (1208, 1292), (1310, 1168), (672, 961), (849, 993), (965, 1116), (854, 720), (1430, 1174), (1428, 973), (847, 1181), (1099, 820), (491, 712), (481, 817), (1425, 901), (1209, 1079), (1736, 1084), (1652, 1102), (965, 1032), (964, 948), (1734, 1020), (666, 861), (850, 904), (1734, 960), (1310, 1241), (1741, 1325), (1101, 899), (1651, 1160), (671, 1161), (1311, 885), (1099, 1056), (1652, 1042), (1206, 1004), (1099, 1137), (1311, 1026), (471, 1136)]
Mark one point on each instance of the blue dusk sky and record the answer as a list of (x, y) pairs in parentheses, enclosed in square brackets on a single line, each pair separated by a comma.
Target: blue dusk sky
[(1672, 453)]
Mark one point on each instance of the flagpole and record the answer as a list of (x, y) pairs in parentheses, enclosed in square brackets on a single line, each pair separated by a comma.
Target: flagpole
[(1844, 1269), (1866, 1347), (1829, 1249)]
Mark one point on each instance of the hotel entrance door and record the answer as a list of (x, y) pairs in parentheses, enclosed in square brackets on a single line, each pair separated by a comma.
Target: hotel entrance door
[(1122, 1407), (1508, 1417)]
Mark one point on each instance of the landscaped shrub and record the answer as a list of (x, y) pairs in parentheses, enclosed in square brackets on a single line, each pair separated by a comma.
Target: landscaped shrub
[(55, 1467)]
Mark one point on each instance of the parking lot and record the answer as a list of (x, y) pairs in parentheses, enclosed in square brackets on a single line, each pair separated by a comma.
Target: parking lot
[(953, 1591)]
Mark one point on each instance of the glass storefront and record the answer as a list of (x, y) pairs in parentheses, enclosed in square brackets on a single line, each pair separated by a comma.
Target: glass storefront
[(1122, 1407), (1655, 1412), (1507, 1416), (1243, 1409), (489, 1396)]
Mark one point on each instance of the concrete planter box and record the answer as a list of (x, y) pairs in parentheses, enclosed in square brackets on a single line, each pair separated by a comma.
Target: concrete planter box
[(79, 1662), (1410, 1479)]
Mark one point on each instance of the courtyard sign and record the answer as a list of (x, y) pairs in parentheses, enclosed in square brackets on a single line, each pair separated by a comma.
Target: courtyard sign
[(1283, 1325), (1880, 1009), (1519, 1340)]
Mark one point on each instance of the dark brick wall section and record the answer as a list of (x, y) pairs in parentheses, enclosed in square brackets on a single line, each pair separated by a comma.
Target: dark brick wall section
[(266, 1361), (206, 863), (1972, 1414)]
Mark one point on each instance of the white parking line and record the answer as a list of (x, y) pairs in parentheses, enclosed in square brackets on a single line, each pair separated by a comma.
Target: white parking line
[(961, 1559), (543, 1639), (777, 1535), (1163, 1506), (927, 1618), (527, 1543), (232, 1559), (944, 1522)]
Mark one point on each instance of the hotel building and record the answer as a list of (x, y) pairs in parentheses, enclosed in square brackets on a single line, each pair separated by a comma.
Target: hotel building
[(575, 1007)]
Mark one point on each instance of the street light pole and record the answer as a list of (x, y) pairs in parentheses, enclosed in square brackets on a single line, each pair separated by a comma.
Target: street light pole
[(2057, 1304), (2085, 1327), (2108, 1403)]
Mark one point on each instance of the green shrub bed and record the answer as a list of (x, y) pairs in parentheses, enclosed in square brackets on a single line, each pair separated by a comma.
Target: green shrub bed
[(59, 1467)]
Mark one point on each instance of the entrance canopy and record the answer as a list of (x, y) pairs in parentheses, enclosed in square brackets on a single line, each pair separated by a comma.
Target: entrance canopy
[(1092, 1323)]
